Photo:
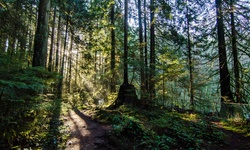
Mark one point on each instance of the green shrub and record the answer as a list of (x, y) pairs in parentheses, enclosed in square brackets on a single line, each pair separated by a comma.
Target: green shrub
[(23, 112)]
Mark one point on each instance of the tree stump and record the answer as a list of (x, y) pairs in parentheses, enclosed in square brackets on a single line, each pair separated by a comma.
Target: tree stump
[(126, 95)]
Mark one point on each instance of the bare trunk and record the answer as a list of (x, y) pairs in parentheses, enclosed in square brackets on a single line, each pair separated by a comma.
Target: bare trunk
[(113, 42), (235, 56), (51, 52), (70, 63), (145, 47), (190, 63), (60, 85), (152, 52), (41, 36), (58, 43), (226, 94), (125, 57), (126, 92), (141, 51)]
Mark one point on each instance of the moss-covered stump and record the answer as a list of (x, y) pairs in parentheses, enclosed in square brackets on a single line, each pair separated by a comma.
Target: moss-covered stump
[(126, 95)]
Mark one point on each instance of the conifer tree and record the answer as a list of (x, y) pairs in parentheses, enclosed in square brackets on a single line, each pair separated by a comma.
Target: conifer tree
[(225, 90)]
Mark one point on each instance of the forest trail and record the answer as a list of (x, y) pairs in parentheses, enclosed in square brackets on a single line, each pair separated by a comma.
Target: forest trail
[(88, 134), (236, 141), (85, 133)]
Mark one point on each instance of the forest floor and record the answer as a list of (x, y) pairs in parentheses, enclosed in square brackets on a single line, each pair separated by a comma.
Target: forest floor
[(90, 134), (85, 133), (236, 141)]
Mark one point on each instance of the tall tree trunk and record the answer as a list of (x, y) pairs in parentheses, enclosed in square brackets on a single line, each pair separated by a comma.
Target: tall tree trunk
[(226, 94), (97, 71), (152, 51), (58, 43), (51, 52), (23, 41), (30, 36), (126, 92), (60, 85), (11, 47), (141, 51), (41, 36), (113, 42), (145, 46), (163, 87), (235, 56), (125, 57), (190, 62), (70, 62), (76, 67)]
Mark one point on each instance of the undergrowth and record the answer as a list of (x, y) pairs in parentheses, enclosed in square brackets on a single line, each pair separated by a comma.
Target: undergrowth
[(27, 106), (238, 126), (159, 129)]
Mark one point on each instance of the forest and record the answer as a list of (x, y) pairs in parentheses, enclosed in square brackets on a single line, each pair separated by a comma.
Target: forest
[(125, 74)]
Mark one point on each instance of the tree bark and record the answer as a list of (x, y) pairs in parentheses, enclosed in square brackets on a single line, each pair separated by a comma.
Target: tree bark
[(60, 84), (70, 63), (152, 52), (51, 52), (145, 46), (190, 63), (238, 93), (58, 41), (141, 51), (127, 93), (226, 94), (113, 42), (125, 57), (41, 36)]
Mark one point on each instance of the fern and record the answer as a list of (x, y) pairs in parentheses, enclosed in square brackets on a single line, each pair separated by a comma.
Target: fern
[(22, 115)]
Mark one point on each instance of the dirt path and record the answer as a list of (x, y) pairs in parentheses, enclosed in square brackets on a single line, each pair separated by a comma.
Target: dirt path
[(235, 140), (85, 134)]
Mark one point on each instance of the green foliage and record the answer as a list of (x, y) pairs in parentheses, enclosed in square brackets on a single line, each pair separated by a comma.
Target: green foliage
[(159, 129), (24, 109), (238, 126)]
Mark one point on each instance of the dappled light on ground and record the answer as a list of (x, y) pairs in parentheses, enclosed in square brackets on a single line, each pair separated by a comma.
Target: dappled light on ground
[(85, 134)]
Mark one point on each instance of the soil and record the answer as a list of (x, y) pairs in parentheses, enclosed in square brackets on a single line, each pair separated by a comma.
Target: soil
[(87, 134), (235, 141)]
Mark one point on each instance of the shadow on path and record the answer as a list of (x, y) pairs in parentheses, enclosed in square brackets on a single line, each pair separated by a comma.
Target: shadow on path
[(86, 134)]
